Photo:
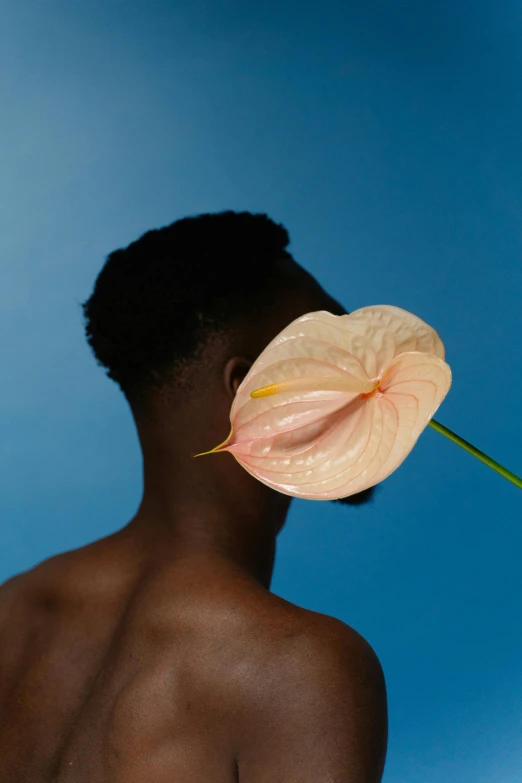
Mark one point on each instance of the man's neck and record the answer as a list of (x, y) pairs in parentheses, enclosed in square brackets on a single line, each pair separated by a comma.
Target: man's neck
[(207, 506), (196, 536)]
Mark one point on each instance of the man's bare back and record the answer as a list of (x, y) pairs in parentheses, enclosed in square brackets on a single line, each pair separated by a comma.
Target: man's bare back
[(111, 670), (158, 654)]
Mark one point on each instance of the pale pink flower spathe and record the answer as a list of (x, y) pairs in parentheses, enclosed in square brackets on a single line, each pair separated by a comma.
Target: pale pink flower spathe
[(339, 401)]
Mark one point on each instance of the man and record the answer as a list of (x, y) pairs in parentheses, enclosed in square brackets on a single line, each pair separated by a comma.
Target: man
[(158, 654)]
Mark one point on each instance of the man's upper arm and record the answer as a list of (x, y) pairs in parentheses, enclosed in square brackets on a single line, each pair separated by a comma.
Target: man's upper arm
[(322, 717)]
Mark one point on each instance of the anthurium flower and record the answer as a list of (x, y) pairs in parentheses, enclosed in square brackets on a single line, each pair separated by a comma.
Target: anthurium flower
[(334, 404)]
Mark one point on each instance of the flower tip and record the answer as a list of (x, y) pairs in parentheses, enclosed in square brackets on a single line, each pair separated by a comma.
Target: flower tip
[(215, 450), (220, 447), (203, 453)]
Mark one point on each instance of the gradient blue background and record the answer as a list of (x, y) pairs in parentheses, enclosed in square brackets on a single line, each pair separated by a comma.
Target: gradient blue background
[(387, 137)]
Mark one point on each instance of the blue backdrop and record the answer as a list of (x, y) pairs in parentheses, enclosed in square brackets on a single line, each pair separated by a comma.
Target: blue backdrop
[(387, 137)]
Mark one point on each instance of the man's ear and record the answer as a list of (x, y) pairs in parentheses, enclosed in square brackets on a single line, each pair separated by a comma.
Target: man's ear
[(234, 372)]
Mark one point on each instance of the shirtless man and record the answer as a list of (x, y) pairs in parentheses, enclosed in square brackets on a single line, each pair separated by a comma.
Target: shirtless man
[(158, 654)]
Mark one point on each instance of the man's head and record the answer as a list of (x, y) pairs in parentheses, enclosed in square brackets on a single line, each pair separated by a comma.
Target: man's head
[(178, 316)]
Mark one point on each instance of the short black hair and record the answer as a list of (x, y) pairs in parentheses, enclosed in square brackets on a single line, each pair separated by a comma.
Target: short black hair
[(156, 302)]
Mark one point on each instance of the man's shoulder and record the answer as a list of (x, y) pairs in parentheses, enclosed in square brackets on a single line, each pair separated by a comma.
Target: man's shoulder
[(299, 630), (294, 648), (10, 591), (320, 644), (24, 583), (49, 584), (330, 658), (315, 704), (20, 586), (24, 592)]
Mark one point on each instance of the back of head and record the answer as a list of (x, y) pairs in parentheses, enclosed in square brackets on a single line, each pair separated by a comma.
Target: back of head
[(156, 303)]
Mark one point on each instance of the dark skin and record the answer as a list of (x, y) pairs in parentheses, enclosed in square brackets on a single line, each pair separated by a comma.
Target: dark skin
[(159, 654)]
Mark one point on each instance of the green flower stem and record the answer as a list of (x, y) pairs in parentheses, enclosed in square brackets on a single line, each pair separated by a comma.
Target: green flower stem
[(476, 453)]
